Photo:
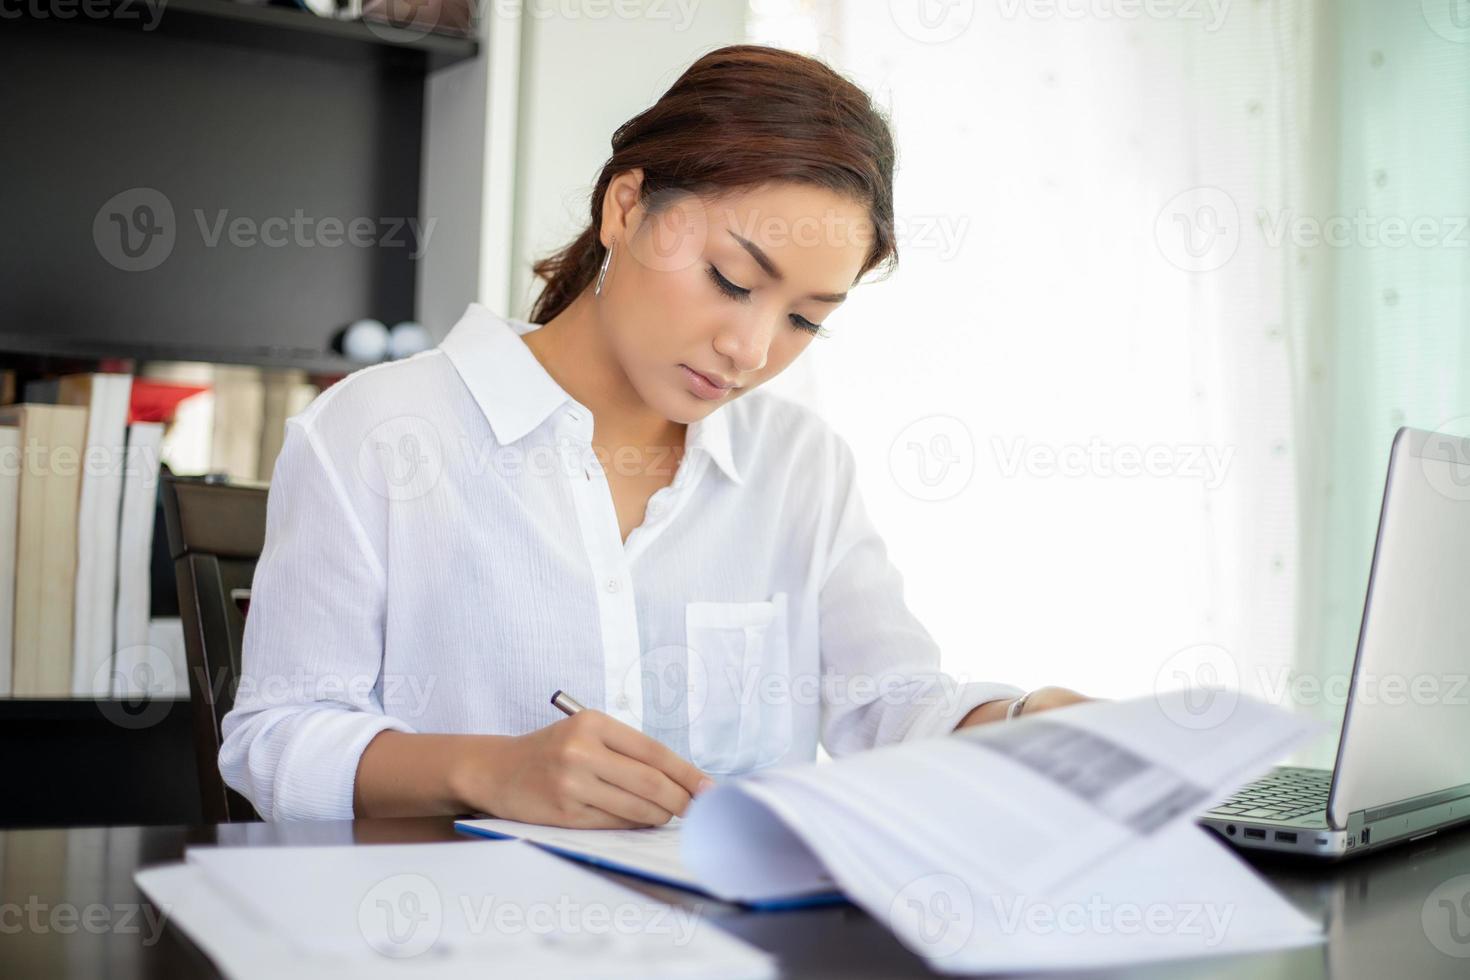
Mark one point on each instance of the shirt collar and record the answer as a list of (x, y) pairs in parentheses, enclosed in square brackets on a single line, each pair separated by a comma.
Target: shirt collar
[(511, 387), (712, 435), (517, 394)]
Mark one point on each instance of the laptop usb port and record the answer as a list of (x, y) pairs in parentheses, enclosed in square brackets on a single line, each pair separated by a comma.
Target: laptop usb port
[(1363, 838), (1255, 833), (1286, 836)]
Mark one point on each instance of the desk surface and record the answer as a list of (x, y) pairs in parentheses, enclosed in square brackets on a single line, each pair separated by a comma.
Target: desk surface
[(69, 908)]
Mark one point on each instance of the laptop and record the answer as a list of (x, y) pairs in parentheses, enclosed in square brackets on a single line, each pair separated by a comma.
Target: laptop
[(1403, 756)]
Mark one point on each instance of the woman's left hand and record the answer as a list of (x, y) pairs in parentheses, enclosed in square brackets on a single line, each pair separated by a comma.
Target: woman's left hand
[(1041, 699)]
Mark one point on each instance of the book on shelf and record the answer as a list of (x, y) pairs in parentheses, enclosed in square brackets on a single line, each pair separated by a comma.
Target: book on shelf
[(78, 499), (52, 441), (9, 500), (239, 405), (134, 554), (106, 398)]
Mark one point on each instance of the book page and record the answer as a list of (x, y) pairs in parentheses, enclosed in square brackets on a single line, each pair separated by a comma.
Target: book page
[(972, 847)]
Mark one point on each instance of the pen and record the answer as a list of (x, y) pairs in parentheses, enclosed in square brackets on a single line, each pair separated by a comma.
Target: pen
[(565, 703)]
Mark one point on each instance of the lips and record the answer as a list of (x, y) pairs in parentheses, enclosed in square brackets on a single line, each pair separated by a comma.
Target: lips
[(703, 386), (714, 380)]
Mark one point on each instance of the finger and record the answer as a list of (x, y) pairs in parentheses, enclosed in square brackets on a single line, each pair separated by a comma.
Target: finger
[(636, 745), (620, 803), (644, 781)]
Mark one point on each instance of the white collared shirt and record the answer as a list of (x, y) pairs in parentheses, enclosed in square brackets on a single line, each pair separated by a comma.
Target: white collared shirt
[(442, 554)]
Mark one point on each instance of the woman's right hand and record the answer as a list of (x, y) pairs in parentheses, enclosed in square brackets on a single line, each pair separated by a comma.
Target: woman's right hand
[(588, 770)]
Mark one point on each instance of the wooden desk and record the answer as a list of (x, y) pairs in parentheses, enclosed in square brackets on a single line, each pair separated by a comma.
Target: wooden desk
[(68, 908)]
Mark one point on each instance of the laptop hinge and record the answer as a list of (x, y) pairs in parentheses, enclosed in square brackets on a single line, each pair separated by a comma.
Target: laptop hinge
[(1416, 803)]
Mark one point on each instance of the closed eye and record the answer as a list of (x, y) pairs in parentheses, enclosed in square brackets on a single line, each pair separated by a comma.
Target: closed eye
[(727, 287), (802, 323), (741, 294)]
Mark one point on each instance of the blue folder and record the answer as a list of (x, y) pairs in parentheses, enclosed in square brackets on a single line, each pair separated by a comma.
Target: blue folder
[(814, 900)]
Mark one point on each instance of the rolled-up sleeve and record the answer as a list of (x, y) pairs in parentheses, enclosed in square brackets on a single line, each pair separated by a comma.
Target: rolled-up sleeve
[(881, 676), (309, 697)]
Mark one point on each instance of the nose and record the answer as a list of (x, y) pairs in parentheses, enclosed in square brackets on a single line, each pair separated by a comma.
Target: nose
[(746, 342)]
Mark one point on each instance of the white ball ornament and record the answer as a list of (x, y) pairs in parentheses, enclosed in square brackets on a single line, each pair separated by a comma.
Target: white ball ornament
[(365, 341)]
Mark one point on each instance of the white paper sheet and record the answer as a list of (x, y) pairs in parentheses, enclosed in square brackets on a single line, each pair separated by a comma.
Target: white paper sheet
[(653, 851), (432, 910)]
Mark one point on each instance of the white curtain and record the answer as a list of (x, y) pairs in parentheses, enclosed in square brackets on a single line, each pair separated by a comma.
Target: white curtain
[(1097, 406)]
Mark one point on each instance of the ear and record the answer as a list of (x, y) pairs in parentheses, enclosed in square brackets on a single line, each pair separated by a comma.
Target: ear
[(621, 210)]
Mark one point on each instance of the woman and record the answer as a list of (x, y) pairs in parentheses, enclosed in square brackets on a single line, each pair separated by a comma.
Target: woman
[(596, 500)]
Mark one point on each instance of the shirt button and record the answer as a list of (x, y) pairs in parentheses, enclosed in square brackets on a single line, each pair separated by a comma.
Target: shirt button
[(623, 701), (614, 585)]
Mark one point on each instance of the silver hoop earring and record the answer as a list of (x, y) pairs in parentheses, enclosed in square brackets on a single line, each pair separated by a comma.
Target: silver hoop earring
[(602, 273)]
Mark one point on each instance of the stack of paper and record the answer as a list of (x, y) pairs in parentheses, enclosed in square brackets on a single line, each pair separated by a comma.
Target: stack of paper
[(431, 910)]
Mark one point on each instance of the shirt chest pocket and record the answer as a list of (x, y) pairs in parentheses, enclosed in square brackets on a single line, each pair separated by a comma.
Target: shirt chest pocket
[(740, 665)]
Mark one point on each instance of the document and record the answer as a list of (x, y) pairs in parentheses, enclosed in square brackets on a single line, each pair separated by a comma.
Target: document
[(432, 910), (1059, 840)]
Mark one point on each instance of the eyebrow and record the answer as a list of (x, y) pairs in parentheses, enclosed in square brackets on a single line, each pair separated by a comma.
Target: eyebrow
[(764, 261)]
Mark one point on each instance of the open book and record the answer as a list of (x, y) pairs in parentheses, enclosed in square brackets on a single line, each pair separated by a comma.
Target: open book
[(1063, 839)]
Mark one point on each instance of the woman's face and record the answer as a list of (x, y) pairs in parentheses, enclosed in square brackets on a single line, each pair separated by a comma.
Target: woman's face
[(731, 289)]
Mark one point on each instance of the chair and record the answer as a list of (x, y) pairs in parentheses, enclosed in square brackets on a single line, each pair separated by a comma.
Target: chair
[(215, 535)]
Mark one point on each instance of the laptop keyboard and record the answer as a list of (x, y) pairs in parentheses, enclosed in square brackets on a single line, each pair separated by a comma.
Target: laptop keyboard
[(1286, 793)]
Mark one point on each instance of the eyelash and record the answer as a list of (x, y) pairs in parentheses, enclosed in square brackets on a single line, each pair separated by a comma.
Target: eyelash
[(741, 294)]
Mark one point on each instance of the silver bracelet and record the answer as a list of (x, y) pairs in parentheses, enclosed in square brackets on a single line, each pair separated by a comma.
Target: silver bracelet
[(1017, 706)]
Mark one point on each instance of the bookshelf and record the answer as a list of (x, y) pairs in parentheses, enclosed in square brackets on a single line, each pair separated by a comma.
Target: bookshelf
[(220, 107)]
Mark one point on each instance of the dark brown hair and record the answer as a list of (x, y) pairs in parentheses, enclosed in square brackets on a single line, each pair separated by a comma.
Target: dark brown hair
[(740, 117)]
